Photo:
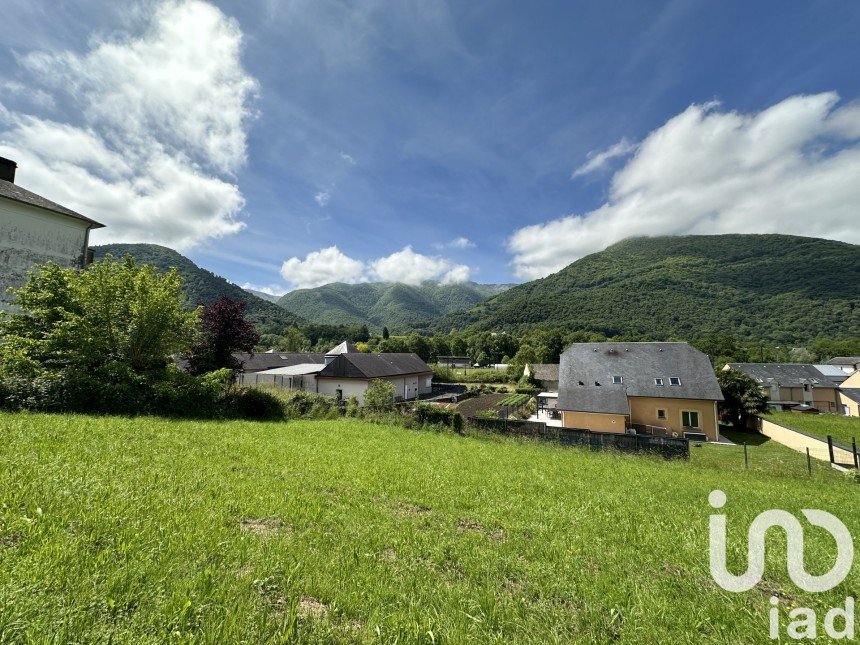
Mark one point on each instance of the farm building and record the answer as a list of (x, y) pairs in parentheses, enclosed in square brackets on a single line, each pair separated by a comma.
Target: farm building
[(663, 389), (35, 230), (345, 372)]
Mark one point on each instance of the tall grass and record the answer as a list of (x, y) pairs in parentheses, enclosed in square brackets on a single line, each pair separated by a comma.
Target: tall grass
[(151, 530)]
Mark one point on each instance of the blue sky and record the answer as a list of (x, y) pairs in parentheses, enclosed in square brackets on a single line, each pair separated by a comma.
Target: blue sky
[(496, 141)]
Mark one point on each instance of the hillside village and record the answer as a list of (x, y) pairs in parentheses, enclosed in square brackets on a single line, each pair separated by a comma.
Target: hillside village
[(429, 322)]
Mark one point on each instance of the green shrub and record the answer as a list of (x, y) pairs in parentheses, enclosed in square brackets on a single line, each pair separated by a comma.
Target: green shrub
[(427, 414), (251, 403), (298, 404), (379, 397)]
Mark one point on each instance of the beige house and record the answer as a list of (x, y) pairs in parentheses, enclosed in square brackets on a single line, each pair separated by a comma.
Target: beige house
[(849, 396), (663, 389), (35, 230), (787, 385)]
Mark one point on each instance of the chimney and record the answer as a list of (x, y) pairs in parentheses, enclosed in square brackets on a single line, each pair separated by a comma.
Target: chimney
[(7, 170)]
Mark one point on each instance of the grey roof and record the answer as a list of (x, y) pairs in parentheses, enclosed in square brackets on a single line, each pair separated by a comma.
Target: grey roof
[(852, 393), (344, 348), (369, 366), (832, 372), (267, 360), (638, 365), (18, 194), (785, 374), (545, 371), (844, 360)]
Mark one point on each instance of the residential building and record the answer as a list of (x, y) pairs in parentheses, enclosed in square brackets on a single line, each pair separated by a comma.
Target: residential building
[(345, 372), (787, 385), (848, 364), (849, 395), (544, 373), (35, 230), (664, 389)]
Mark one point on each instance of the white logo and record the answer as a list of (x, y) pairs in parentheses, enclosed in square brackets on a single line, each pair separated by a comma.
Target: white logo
[(794, 539)]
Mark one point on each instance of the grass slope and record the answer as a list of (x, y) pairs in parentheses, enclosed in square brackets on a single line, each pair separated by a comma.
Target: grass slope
[(842, 429), (397, 306), (766, 287), (149, 530), (202, 286)]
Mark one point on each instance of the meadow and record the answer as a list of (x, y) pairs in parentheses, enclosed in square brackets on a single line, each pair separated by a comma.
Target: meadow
[(146, 530), (842, 429)]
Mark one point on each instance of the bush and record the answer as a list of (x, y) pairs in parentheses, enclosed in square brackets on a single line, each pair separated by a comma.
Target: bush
[(251, 403), (427, 414), (298, 404), (379, 397), (531, 391)]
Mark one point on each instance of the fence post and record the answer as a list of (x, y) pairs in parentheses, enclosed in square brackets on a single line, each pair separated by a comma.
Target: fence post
[(808, 461), (854, 450), (746, 456), (830, 448)]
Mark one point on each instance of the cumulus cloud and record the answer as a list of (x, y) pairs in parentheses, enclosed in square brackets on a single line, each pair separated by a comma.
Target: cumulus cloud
[(410, 267), (348, 158), (332, 265), (597, 160), (322, 197), (457, 243), (154, 126), (322, 267), (791, 168)]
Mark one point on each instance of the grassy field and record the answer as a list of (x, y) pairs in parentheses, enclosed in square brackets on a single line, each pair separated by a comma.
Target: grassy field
[(842, 429), (149, 530)]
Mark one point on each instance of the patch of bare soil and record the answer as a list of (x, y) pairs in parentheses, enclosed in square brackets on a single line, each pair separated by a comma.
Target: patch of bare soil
[(312, 608), (9, 540), (407, 509), (262, 526), (470, 525)]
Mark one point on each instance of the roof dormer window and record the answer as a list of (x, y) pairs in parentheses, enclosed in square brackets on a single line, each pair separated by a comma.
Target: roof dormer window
[(658, 381), (616, 380), (674, 380)]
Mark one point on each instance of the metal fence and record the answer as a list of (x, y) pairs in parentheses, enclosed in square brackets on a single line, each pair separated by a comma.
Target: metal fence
[(668, 447)]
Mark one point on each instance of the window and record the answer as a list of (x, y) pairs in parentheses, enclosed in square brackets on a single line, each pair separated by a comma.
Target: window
[(616, 380), (690, 419), (661, 414), (658, 381), (674, 380)]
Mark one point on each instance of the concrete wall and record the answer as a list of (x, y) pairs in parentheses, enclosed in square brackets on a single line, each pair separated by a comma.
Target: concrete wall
[(30, 235), (405, 387), (800, 442), (644, 410), (594, 421)]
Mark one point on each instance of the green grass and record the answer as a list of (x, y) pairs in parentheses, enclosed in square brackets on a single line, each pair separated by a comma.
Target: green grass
[(131, 530), (842, 429)]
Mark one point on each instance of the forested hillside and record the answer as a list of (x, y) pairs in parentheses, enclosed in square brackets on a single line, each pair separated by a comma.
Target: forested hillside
[(397, 306), (776, 288), (202, 286)]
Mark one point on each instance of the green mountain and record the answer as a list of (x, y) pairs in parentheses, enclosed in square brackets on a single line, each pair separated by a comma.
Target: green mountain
[(385, 304), (202, 286), (778, 288)]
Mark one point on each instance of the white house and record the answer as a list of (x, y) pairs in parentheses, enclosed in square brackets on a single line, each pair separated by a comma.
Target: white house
[(35, 230), (346, 372)]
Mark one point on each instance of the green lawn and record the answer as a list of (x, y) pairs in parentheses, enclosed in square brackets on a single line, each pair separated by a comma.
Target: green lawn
[(148, 530), (842, 429)]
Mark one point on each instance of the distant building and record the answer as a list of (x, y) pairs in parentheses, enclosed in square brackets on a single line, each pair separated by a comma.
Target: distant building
[(848, 364), (544, 373), (343, 372), (35, 230), (454, 362), (662, 389), (787, 385)]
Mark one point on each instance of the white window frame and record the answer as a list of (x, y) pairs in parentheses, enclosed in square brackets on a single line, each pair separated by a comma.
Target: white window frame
[(659, 382), (698, 425), (619, 381), (675, 378)]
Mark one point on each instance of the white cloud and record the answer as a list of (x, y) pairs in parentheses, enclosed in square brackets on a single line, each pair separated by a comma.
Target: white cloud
[(457, 243), (332, 265), (271, 289), (348, 158), (410, 267), (597, 160), (322, 267), (156, 126), (791, 168), (322, 197)]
